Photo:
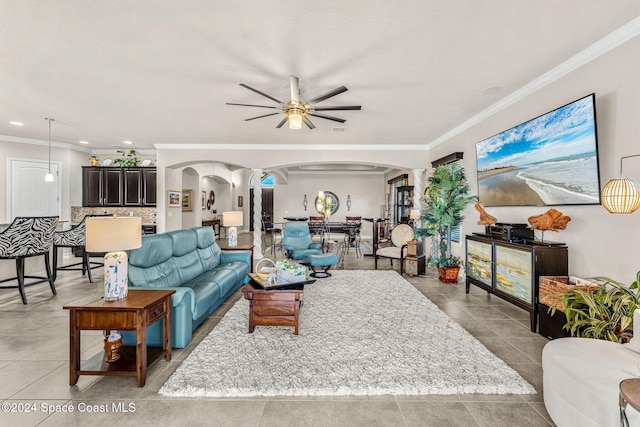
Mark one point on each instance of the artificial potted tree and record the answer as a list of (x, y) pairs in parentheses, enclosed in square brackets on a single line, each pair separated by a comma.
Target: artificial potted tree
[(442, 207)]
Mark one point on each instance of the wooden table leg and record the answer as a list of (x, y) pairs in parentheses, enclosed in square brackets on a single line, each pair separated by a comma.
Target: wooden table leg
[(167, 330), (74, 349), (141, 349)]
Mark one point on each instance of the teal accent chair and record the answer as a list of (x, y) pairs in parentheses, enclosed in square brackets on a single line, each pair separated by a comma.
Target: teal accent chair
[(297, 242)]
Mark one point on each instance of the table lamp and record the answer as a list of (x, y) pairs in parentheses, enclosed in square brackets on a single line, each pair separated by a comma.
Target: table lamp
[(232, 220), (114, 235)]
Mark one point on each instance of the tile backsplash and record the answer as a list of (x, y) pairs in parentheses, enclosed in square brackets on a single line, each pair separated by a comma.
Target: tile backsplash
[(148, 215)]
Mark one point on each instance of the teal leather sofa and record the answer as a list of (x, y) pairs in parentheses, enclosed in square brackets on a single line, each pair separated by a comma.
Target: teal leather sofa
[(191, 263)]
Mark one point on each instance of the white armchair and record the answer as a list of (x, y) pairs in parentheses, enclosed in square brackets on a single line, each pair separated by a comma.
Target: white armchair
[(400, 236)]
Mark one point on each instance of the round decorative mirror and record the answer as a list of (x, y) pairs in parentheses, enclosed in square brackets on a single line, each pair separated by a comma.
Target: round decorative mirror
[(212, 197), (327, 203)]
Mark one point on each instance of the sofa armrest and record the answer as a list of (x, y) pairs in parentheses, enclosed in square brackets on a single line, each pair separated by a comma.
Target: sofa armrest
[(177, 298), (232, 256)]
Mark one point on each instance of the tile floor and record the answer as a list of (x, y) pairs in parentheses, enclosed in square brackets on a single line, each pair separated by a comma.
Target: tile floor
[(34, 371)]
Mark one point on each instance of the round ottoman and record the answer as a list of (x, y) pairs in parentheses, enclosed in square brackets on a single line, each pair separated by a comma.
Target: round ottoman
[(321, 261)]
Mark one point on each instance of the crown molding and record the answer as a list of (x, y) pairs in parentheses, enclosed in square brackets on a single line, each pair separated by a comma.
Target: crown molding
[(304, 147)]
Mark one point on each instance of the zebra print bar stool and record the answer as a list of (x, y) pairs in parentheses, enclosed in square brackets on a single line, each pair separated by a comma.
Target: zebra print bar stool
[(27, 237), (74, 238)]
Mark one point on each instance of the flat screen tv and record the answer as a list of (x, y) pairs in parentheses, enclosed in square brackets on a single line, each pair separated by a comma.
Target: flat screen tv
[(549, 160)]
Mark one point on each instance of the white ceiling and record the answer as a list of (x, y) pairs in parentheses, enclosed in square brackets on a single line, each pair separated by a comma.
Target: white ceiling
[(160, 72)]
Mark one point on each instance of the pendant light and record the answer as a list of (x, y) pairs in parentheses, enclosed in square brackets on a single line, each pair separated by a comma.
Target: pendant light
[(622, 195), (49, 176)]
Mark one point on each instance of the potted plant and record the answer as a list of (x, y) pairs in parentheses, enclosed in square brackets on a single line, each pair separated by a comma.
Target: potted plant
[(128, 159), (605, 314), (446, 199)]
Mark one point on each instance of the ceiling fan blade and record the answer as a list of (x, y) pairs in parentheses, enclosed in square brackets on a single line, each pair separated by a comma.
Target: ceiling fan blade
[(307, 122), (262, 93), (251, 105), (341, 107), (295, 90), (327, 95), (259, 117), (282, 122), (325, 116)]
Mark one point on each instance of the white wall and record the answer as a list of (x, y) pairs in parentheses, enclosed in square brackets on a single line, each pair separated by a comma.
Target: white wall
[(366, 190), (599, 243)]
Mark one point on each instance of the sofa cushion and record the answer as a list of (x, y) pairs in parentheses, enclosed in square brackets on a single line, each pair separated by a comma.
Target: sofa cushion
[(390, 252), (208, 250), (185, 254), (226, 278), (156, 248), (183, 241), (240, 269), (207, 294), (152, 265)]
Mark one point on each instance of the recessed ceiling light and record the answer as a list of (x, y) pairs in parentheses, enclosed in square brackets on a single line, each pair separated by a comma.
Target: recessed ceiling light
[(127, 142), (17, 123), (83, 142)]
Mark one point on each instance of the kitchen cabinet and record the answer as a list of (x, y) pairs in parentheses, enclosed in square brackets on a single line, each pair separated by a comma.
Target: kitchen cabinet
[(115, 187)]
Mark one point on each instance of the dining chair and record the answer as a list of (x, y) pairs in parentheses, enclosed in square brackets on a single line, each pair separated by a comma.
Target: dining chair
[(269, 230), (317, 226), (352, 230), (24, 238), (74, 238)]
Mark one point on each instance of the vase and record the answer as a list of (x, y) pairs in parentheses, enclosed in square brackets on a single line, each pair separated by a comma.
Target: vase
[(93, 161), (449, 274)]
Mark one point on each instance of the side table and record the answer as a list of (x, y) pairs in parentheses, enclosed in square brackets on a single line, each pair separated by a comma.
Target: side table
[(415, 265), (629, 395), (135, 313), (273, 307)]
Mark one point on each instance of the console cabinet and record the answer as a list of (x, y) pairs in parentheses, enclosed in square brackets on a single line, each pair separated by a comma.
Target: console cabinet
[(512, 270), (111, 186)]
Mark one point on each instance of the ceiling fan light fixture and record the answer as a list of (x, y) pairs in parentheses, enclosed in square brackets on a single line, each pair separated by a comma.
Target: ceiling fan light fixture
[(295, 119)]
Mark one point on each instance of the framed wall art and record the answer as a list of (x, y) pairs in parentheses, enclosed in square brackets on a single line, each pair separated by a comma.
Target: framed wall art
[(203, 201), (187, 200), (173, 197)]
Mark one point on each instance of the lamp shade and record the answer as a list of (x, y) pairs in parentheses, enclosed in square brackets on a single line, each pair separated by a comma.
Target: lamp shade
[(232, 218), (106, 234), (295, 119), (621, 196)]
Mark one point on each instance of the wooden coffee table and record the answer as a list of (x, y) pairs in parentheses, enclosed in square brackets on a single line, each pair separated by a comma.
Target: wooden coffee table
[(273, 307), (135, 313)]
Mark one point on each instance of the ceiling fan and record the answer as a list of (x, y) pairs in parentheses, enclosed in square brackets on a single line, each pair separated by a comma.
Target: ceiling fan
[(297, 112)]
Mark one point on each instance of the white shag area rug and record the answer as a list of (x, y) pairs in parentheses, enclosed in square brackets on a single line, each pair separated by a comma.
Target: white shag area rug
[(361, 333)]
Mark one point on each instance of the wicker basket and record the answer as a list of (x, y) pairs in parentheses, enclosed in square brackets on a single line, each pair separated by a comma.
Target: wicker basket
[(263, 272), (553, 287)]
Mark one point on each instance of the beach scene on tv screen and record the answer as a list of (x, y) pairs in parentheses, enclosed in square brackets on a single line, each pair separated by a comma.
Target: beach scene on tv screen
[(549, 160)]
